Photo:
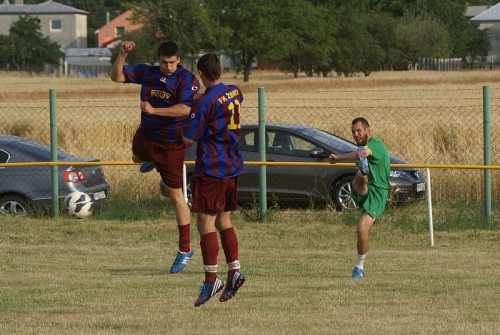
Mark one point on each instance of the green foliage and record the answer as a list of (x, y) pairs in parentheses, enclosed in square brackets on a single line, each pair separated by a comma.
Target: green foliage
[(383, 30), (423, 38), (313, 36), (477, 44), (255, 29), (145, 50), (308, 43), (4, 50), (26, 47), (352, 37), (189, 23)]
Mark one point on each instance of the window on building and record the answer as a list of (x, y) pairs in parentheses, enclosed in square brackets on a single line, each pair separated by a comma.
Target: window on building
[(55, 25), (119, 31)]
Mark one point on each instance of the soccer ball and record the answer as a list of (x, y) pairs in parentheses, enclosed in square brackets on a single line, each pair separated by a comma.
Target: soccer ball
[(78, 204)]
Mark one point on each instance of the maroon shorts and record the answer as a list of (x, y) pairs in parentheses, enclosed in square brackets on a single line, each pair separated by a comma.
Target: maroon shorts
[(213, 195), (167, 156)]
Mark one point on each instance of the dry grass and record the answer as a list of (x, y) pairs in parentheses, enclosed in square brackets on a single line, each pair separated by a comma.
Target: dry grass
[(424, 117), (36, 88)]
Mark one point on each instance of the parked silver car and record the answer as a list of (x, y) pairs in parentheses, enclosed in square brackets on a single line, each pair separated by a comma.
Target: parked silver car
[(27, 190), (309, 184)]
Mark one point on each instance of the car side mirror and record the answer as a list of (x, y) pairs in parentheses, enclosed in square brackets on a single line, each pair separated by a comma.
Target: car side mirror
[(317, 152)]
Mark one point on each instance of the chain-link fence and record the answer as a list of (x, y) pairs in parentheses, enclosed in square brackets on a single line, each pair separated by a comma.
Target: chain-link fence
[(418, 126)]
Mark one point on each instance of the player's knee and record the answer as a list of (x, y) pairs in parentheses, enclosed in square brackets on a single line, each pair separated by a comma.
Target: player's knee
[(360, 189), (175, 195), (136, 159)]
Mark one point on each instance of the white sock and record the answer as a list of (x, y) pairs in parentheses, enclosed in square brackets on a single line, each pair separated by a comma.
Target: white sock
[(360, 261)]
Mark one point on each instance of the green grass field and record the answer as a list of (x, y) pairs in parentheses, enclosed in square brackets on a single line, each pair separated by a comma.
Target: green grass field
[(110, 276)]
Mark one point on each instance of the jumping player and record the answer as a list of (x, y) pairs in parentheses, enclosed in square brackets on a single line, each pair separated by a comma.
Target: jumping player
[(214, 122), (167, 93), (370, 187)]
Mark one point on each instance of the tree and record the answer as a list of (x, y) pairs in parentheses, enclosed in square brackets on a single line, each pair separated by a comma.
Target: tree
[(255, 33), (4, 51), (382, 29), (395, 9), (313, 36), (477, 44), (189, 23), (423, 38), (146, 45), (26, 47), (309, 38), (448, 13), (354, 45)]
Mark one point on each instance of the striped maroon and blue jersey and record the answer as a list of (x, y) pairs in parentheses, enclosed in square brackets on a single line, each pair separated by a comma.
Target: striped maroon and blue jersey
[(214, 122), (162, 91)]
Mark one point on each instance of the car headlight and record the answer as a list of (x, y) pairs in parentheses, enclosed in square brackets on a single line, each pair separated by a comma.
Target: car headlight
[(395, 174)]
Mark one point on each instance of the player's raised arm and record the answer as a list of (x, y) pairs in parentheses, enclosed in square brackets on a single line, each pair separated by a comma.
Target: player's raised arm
[(117, 69)]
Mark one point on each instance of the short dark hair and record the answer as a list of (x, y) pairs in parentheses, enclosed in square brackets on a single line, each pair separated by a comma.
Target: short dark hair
[(363, 121), (168, 49), (209, 64)]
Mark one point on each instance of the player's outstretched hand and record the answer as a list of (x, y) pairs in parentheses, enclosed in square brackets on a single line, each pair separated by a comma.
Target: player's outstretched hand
[(127, 46), (333, 158)]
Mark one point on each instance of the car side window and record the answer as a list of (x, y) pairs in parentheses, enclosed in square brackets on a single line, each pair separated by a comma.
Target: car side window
[(280, 143), (248, 141), (301, 147), (4, 156)]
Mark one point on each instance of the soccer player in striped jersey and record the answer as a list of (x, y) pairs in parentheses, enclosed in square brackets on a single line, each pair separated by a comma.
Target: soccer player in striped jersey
[(214, 122), (167, 93)]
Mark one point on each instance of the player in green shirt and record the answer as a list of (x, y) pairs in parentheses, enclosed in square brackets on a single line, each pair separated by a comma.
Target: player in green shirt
[(370, 187)]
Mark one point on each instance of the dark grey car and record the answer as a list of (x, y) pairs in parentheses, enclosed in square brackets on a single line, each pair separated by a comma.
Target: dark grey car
[(307, 184), (24, 190)]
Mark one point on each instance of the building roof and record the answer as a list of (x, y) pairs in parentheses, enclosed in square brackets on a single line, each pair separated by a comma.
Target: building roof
[(47, 7), (492, 14), (88, 52), (88, 56), (474, 11)]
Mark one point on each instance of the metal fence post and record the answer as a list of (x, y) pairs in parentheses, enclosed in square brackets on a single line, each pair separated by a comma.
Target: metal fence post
[(262, 156), (429, 205), (487, 152), (53, 153)]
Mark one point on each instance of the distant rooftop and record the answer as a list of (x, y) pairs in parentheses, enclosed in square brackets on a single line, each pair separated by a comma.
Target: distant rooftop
[(88, 52), (47, 7), (474, 11), (492, 14)]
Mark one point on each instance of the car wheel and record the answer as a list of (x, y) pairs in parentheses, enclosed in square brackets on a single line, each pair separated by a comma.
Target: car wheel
[(13, 205), (341, 194)]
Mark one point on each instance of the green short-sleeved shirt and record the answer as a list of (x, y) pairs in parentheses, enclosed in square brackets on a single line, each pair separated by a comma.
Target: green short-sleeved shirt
[(374, 201)]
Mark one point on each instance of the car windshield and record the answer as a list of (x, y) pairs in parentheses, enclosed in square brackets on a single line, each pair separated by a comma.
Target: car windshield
[(336, 142)]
